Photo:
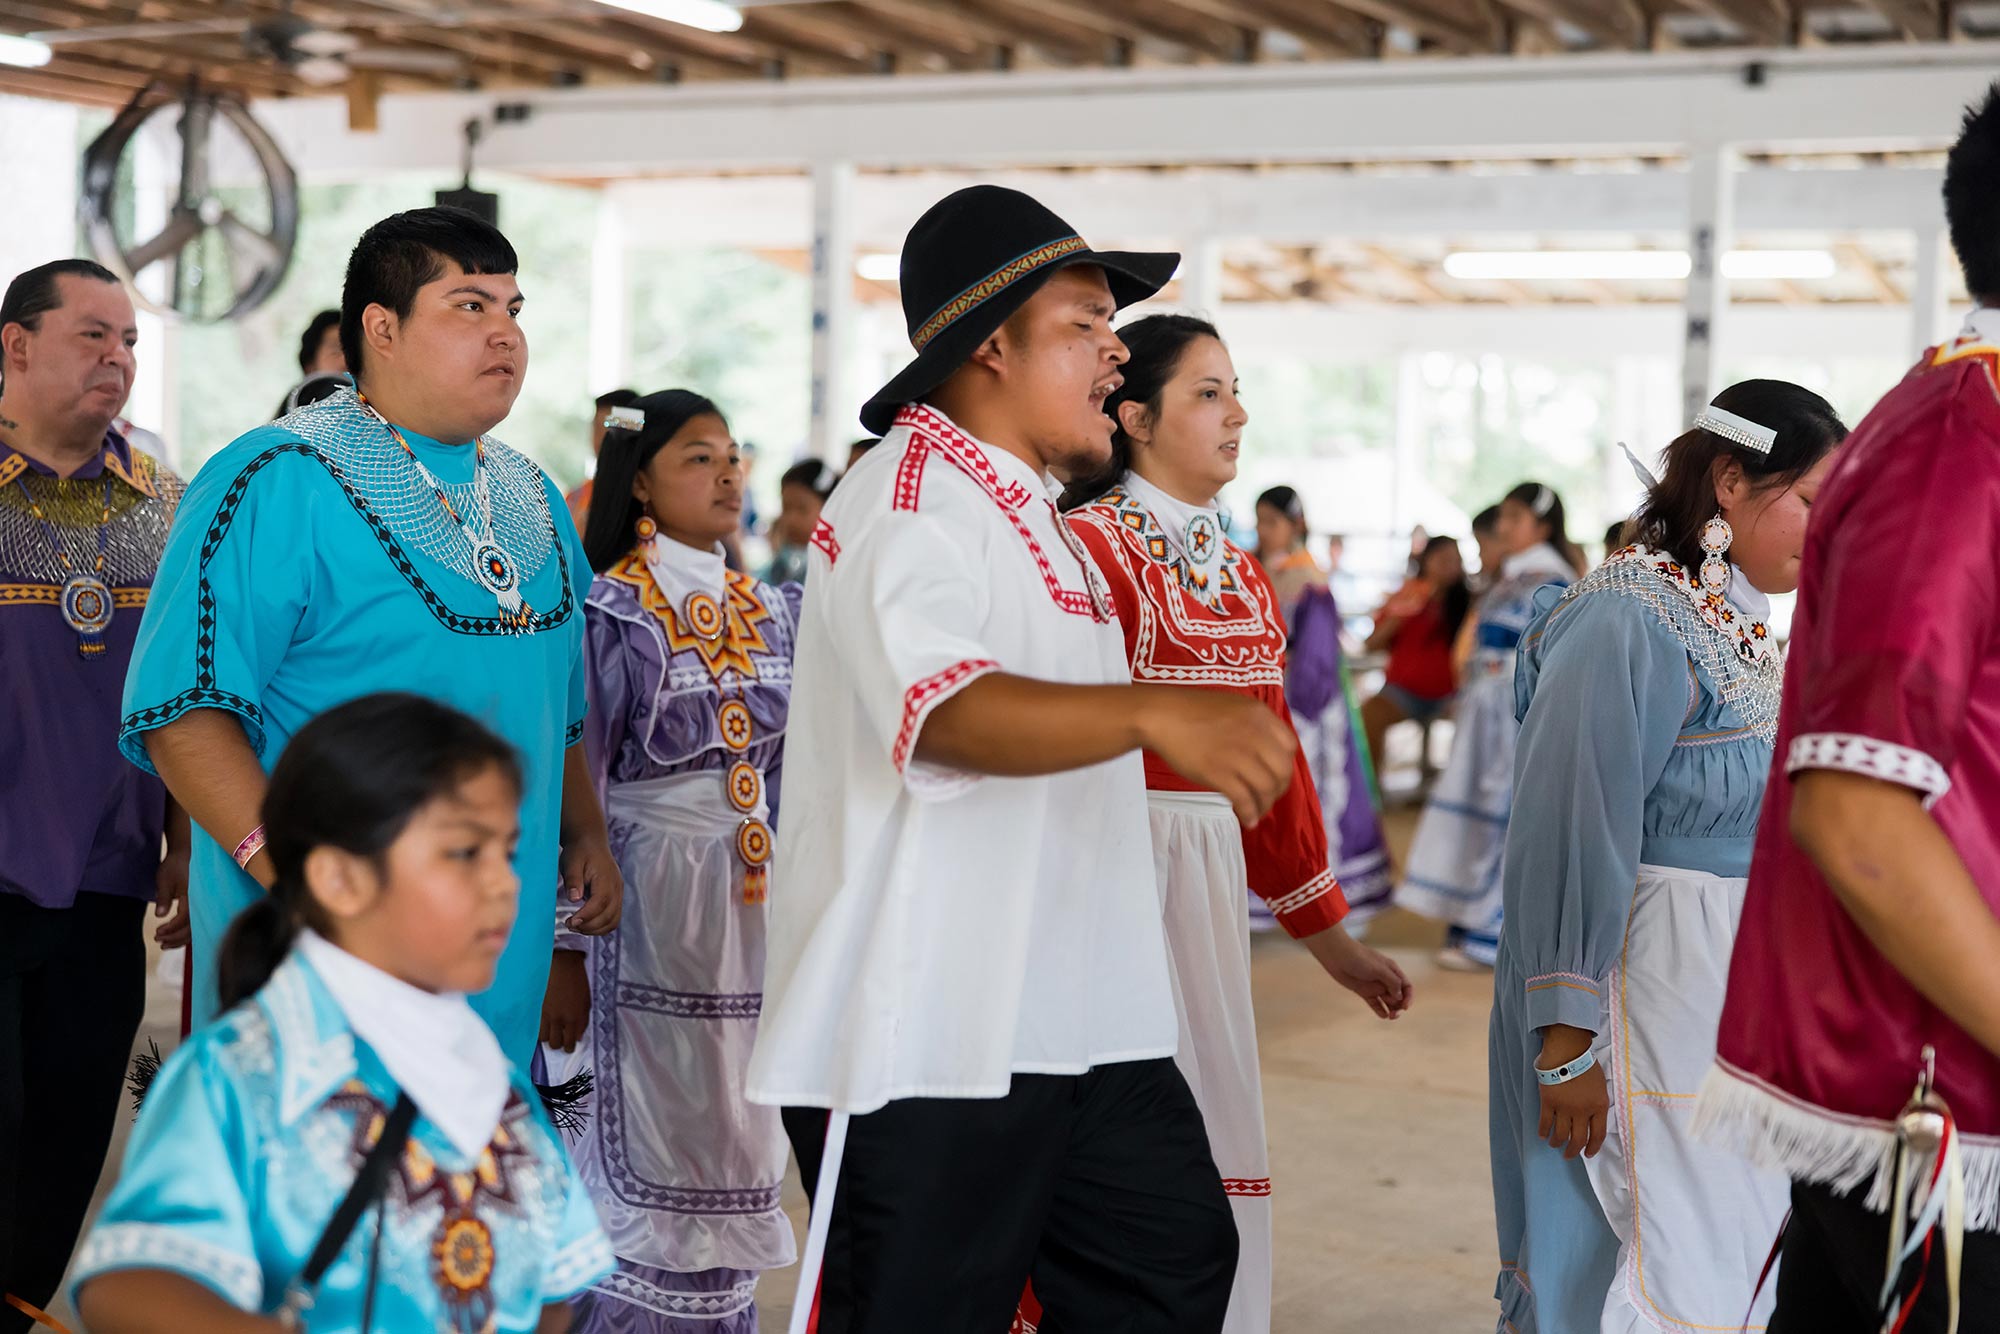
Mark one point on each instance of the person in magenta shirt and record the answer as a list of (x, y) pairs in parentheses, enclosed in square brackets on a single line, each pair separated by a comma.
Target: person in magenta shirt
[(1870, 932)]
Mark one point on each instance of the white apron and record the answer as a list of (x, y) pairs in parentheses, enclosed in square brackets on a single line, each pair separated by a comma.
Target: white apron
[(685, 1173), (1198, 858), (1695, 1224)]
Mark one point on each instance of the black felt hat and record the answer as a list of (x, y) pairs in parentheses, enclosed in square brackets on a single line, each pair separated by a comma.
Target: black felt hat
[(971, 261)]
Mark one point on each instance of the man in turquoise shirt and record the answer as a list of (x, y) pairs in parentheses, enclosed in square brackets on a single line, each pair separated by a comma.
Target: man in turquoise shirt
[(378, 540)]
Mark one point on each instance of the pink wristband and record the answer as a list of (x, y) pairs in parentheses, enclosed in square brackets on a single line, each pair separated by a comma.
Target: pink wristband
[(252, 844)]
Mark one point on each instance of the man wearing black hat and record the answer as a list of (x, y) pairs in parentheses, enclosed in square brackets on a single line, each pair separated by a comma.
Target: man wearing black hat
[(966, 965)]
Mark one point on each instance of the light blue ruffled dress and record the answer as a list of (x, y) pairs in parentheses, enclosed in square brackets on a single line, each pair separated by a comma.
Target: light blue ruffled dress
[(1647, 714)]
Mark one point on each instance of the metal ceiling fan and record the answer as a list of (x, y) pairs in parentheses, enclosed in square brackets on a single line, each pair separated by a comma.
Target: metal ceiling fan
[(210, 250), (321, 54)]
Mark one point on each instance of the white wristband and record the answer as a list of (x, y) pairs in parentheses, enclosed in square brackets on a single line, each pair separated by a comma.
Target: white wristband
[(1562, 1074)]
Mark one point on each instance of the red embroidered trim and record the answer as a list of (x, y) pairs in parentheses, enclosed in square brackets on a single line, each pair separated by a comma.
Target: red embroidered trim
[(823, 538), (931, 431), (910, 473), (927, 694), (1259, 1186)]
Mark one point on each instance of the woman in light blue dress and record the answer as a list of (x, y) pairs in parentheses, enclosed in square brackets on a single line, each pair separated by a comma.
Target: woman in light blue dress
[(1648, 697), (391, 824), (1453, 872)]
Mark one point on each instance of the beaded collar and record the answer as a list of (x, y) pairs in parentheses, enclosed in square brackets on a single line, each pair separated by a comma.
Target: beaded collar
[(1751, 638)]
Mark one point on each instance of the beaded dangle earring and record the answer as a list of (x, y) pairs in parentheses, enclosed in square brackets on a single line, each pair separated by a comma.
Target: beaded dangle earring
[(1716, 535)]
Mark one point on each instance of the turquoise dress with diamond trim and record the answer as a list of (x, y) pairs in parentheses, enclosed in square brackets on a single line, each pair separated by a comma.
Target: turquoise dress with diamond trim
[(309, 565), (251, 1136)]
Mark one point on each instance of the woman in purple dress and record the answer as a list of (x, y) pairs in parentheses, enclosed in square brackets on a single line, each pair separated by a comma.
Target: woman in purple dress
[(689, 669), (1320, 698)]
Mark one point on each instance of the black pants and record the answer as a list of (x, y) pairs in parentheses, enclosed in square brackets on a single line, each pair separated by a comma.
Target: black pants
[(1831, 1275), (72, 993), (1099, 1186)]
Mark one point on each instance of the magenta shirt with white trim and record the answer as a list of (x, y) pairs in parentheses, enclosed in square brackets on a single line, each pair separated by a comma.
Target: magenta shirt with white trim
[(1892, 674)]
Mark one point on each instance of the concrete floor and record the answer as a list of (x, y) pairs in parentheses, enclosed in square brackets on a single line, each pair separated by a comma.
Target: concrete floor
[(1378, 1144)]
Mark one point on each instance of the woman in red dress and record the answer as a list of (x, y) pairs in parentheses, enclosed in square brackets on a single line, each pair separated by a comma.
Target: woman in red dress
[(1198, 611)]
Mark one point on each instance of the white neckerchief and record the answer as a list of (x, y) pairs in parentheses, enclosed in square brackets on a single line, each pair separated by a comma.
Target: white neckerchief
[(1541, 558), (432, 1044), (1982, 326), (1747, 597), (681, 571), (1195, 531)]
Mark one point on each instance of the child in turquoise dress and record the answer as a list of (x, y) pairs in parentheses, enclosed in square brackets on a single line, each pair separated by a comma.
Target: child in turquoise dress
[(391, 823)]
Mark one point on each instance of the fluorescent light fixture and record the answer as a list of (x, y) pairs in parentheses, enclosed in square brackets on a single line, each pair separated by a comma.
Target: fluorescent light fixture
[(1575, 265), (880, 268), (26, 52), (708, 15), (1779, 264), (1631, 265)]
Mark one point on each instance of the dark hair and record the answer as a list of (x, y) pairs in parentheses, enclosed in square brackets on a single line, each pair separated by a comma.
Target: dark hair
[(35, 292), (1457, 595), (1286, 501), (312, 389), (352, 778), (1486, 521), (616, 398), (398, 255), (611, 527), (863, 445), (1156, 344), (1684, 498), (816, 475), (1614, 536), (309, 341), (1972, 197), (1546, 504)]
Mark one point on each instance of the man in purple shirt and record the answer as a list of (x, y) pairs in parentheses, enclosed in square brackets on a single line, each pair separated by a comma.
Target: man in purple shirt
[(83, 518)]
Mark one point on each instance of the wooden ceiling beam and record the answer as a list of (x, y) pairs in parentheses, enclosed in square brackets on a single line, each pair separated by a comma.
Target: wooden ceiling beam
[(1247, 276), (1763, 21), (948, 29), (60, 88), (794, 28), (1866, 264), (1320, 25), (1409, 274), (992, 27), (552, 46), (895, 37), (1185, 25), (1618, 24), (1063, 30), (1918, 20), (1077, 15), (1457, 32)]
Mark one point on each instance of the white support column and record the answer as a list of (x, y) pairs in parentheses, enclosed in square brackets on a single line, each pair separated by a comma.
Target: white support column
[(155, 401), (1201, 278), (610, 300), (833, 320), (1930, 294), (1410, 428), (1712, 170)]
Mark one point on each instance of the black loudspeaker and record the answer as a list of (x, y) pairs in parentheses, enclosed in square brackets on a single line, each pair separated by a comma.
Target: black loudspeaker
[(479, 202)]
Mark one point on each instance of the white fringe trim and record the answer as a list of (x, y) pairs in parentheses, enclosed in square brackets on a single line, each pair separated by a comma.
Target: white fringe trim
[(1772, 1129)]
